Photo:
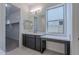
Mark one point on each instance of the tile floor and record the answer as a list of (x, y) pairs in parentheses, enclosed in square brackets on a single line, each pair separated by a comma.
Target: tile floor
[(27, 51), (2, 52)]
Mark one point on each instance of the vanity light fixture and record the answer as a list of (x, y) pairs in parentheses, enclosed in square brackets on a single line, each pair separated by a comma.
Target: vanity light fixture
[(36, 10)]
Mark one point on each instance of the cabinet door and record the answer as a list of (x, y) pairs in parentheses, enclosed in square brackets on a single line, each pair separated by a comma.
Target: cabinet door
[(38, 44), (24, 40), (32, 42), (27, 41)]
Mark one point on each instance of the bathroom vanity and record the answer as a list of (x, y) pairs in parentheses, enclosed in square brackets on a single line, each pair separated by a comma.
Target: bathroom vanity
[(34, 41), (38, 42)]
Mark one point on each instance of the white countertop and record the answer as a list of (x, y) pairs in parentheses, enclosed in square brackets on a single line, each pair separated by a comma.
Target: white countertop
[(43, 35), (55, 37), (34, 33)]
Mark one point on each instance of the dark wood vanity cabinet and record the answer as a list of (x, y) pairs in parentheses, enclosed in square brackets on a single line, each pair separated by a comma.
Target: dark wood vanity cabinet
[(29, 41), (24, 40), (34, 42), (38, 43)]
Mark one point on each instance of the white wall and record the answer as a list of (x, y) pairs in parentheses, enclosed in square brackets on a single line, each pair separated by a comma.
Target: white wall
[(24, 16), (2, 27), (75, 41)]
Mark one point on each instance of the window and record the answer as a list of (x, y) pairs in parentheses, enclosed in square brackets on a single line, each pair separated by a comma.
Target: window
[(55, 20)]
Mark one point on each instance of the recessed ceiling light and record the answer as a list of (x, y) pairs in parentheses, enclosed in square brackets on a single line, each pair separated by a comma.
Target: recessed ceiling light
[(6, 5)]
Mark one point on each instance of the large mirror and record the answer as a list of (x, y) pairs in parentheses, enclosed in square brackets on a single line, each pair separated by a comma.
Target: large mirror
[(28, 25)]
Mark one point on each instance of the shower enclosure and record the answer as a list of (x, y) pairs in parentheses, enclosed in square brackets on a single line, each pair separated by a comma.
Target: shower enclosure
[(12, 26)]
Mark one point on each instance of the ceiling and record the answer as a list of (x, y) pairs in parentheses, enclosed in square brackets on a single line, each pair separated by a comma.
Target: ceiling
[(33, 5), (26, 6)]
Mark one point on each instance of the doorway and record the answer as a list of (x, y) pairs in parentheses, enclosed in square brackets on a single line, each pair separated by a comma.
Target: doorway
[(12, 26)]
